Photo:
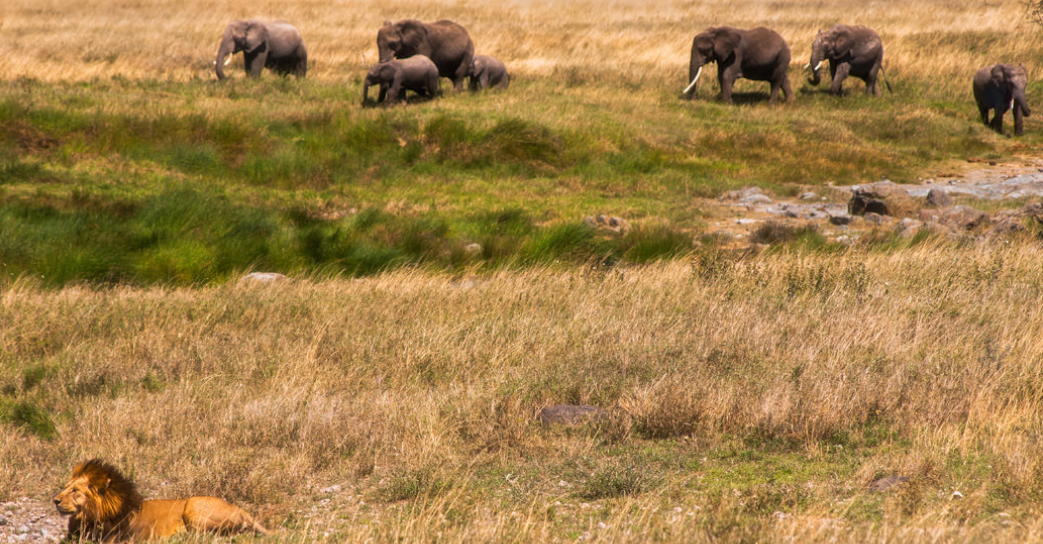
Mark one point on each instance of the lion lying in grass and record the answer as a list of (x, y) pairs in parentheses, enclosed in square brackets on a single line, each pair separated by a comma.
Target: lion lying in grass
[(106, 507)]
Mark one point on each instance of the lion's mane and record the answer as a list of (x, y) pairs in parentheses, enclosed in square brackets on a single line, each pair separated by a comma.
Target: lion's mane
[(106, 513)]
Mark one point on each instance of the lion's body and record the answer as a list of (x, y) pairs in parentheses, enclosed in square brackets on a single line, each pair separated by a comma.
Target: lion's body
[(106, 507)]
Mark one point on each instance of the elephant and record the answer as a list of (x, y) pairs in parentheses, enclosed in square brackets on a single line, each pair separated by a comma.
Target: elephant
[(488, 72), (759, 54), (277, 46), (851, 51), (446, 43), (1001, 87), (396, 76)]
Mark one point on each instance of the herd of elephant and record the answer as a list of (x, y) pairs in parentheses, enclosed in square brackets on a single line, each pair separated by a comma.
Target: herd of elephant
[(414, 55)]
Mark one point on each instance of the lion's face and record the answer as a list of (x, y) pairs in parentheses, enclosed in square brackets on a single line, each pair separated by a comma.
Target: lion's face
[(78, 493)]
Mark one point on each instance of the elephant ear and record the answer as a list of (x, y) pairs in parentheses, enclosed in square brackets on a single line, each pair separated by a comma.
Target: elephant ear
[(725, 43), (256, 37), (413, 33), (842, 44)]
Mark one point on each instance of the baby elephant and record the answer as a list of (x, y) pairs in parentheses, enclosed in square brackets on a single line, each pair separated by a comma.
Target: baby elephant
[(488, 72), (1001, 87), (396, 76)]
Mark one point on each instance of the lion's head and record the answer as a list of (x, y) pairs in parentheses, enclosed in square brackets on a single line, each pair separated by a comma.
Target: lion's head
[(98, 498)]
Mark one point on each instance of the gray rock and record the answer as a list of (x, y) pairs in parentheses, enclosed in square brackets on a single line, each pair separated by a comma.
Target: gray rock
[(755, 199), (873, 217), (887, 482), (3, 521), (963, 217), (473, 249), (571, 414), (262, 277), (909, 223), (590, 222), (938, 198), (808, 196), (840, 219), (862, 204)]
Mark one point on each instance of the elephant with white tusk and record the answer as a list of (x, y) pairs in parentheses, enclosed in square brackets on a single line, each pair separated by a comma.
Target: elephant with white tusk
[(446, 43), (1001, 87), (854, 51), (277, 46), (759, 54)]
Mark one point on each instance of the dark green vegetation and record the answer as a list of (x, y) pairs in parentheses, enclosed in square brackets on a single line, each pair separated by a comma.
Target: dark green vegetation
[(191, 182)]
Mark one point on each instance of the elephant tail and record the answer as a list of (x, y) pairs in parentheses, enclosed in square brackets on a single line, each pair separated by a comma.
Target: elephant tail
[(886, 82)]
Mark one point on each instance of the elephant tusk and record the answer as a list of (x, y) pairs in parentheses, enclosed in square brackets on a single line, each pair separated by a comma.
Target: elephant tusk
[(806, 66), (694, 79), (228, 60), (819, 65)]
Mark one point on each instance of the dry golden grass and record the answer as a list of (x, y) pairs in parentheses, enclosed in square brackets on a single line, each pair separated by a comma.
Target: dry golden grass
[(781, 383), (66, 40)]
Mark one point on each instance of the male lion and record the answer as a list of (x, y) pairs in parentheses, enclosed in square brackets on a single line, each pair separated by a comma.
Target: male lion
[(106, 507)]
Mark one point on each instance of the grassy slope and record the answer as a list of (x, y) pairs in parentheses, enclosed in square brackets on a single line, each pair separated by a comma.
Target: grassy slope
[(416, 396), (133, 156)]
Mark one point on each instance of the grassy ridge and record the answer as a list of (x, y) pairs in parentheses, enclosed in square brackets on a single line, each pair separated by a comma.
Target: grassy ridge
[(188, 182)]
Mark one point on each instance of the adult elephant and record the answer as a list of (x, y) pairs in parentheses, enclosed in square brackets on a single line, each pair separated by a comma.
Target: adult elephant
[(277, 46), (759, 54), (854, 51), (1001, 87), (446, 43)]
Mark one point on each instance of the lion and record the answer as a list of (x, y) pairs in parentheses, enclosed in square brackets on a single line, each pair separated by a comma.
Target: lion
[(104, 506)]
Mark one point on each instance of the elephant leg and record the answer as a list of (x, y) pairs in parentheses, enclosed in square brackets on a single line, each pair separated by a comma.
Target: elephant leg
[(997, 120), (301, 69), (473, 83), (984, 112), (254, 63), (395, 92), (839, 76), (726, 78), (383, 92), (786, 89), (871, 81)]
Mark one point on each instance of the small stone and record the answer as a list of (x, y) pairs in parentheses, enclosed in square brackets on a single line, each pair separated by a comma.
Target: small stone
[(571, 414), (957, 495), (808, 196), (473, 249), (840, 219), (331, 489), (887, 482), (938, 198), (590, 222), (3, 521), (22, 529)]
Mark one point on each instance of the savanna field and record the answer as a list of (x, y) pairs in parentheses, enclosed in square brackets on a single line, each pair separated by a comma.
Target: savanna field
[(387, 391)]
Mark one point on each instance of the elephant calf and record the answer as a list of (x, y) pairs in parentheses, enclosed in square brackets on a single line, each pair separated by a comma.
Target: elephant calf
[(1001, 87), (488, 72), (855, 51), (417, 73), (277, 46)]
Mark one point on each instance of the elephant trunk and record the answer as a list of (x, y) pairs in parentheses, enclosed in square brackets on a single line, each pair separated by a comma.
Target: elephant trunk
[(695, 68), (1019, 102), (365, 91), (227, 48), (817, 58)]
